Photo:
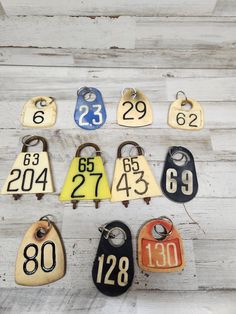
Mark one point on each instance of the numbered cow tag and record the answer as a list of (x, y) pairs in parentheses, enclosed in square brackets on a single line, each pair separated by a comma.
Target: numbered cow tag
[(90, 112), (179, 178), (86, 179), (113, 267), (31, 172), (185, 119), (160, 247), (41, 257), (39, 112), (133, 178), (134, 109)]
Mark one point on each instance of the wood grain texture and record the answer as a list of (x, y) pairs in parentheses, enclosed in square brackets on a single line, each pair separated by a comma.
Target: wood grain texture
[(106, 32), (55, 47), (114, 8), (209, 58)]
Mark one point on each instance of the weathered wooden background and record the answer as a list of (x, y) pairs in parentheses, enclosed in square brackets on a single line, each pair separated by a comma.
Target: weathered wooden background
[(51, 47)]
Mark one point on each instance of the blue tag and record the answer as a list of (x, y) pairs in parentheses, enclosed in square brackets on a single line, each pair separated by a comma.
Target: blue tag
[(90, 112)]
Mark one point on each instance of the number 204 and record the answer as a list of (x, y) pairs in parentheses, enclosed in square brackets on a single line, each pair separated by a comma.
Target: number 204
[(122, 276)]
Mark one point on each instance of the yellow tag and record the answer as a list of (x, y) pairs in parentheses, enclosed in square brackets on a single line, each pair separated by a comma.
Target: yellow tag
[(41, 258), (86, 179), (39, 112), (134, 109), (189, 119), (133, 178)]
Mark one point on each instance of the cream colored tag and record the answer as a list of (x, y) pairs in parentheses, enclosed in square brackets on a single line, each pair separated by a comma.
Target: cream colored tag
[(36, 116), (134, 109), (192, 119), (86, 180), (40, 261), (133, 179), (30, 173)]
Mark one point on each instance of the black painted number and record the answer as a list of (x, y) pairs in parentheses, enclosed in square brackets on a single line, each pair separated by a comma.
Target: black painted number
[(27, 176), (140, 106), (33, 258), (38, 117), (181, 119), (27, 159), (86, 164), (82, 180)]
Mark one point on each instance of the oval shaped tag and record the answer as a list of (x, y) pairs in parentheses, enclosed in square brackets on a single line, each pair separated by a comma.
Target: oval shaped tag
[(41, 257), (90, 112), (179, 178), (113, 267), (160, 247)]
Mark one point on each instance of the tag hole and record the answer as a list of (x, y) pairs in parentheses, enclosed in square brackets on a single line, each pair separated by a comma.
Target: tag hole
[(159, 232), (40, 233), (186, 106), (89, 96), (117, 238), (41, 103), (179, 159)]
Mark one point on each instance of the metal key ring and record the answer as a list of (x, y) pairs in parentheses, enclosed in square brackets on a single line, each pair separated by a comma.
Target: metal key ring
[(134, 94), (26, 137), (183, 93), (43, 99), (184, 154), (87, 90), (167, 232), (41, 232)]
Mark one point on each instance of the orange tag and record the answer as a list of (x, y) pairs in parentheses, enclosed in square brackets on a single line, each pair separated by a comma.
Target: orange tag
[(160, 247)]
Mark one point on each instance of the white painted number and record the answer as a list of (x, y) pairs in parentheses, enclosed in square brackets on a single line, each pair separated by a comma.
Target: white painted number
[(85, 109), (187, 180), (165, 253), (122, 278)]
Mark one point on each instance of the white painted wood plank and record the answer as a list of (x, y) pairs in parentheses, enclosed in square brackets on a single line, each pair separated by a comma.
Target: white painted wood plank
[(171, 33), (222, 58), (160, 85), (207, 212), (224, 140), (134, 302), (106, 7), (104, 32), (218, 261)]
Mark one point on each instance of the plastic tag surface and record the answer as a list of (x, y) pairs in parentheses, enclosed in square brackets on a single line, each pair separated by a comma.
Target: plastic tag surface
[(189, 119), (160, 251), (113, 267), (179, 178), (134, 109), (41, 258), (90, 112), (39, 112)]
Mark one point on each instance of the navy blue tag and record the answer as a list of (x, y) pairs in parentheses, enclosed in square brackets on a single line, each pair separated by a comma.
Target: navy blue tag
[(179, 178), (90, 112)]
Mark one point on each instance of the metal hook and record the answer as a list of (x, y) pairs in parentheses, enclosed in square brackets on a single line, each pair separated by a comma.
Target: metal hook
[(87, 90), (183, 93), (135, 147), (26, 137), (133, 94)]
